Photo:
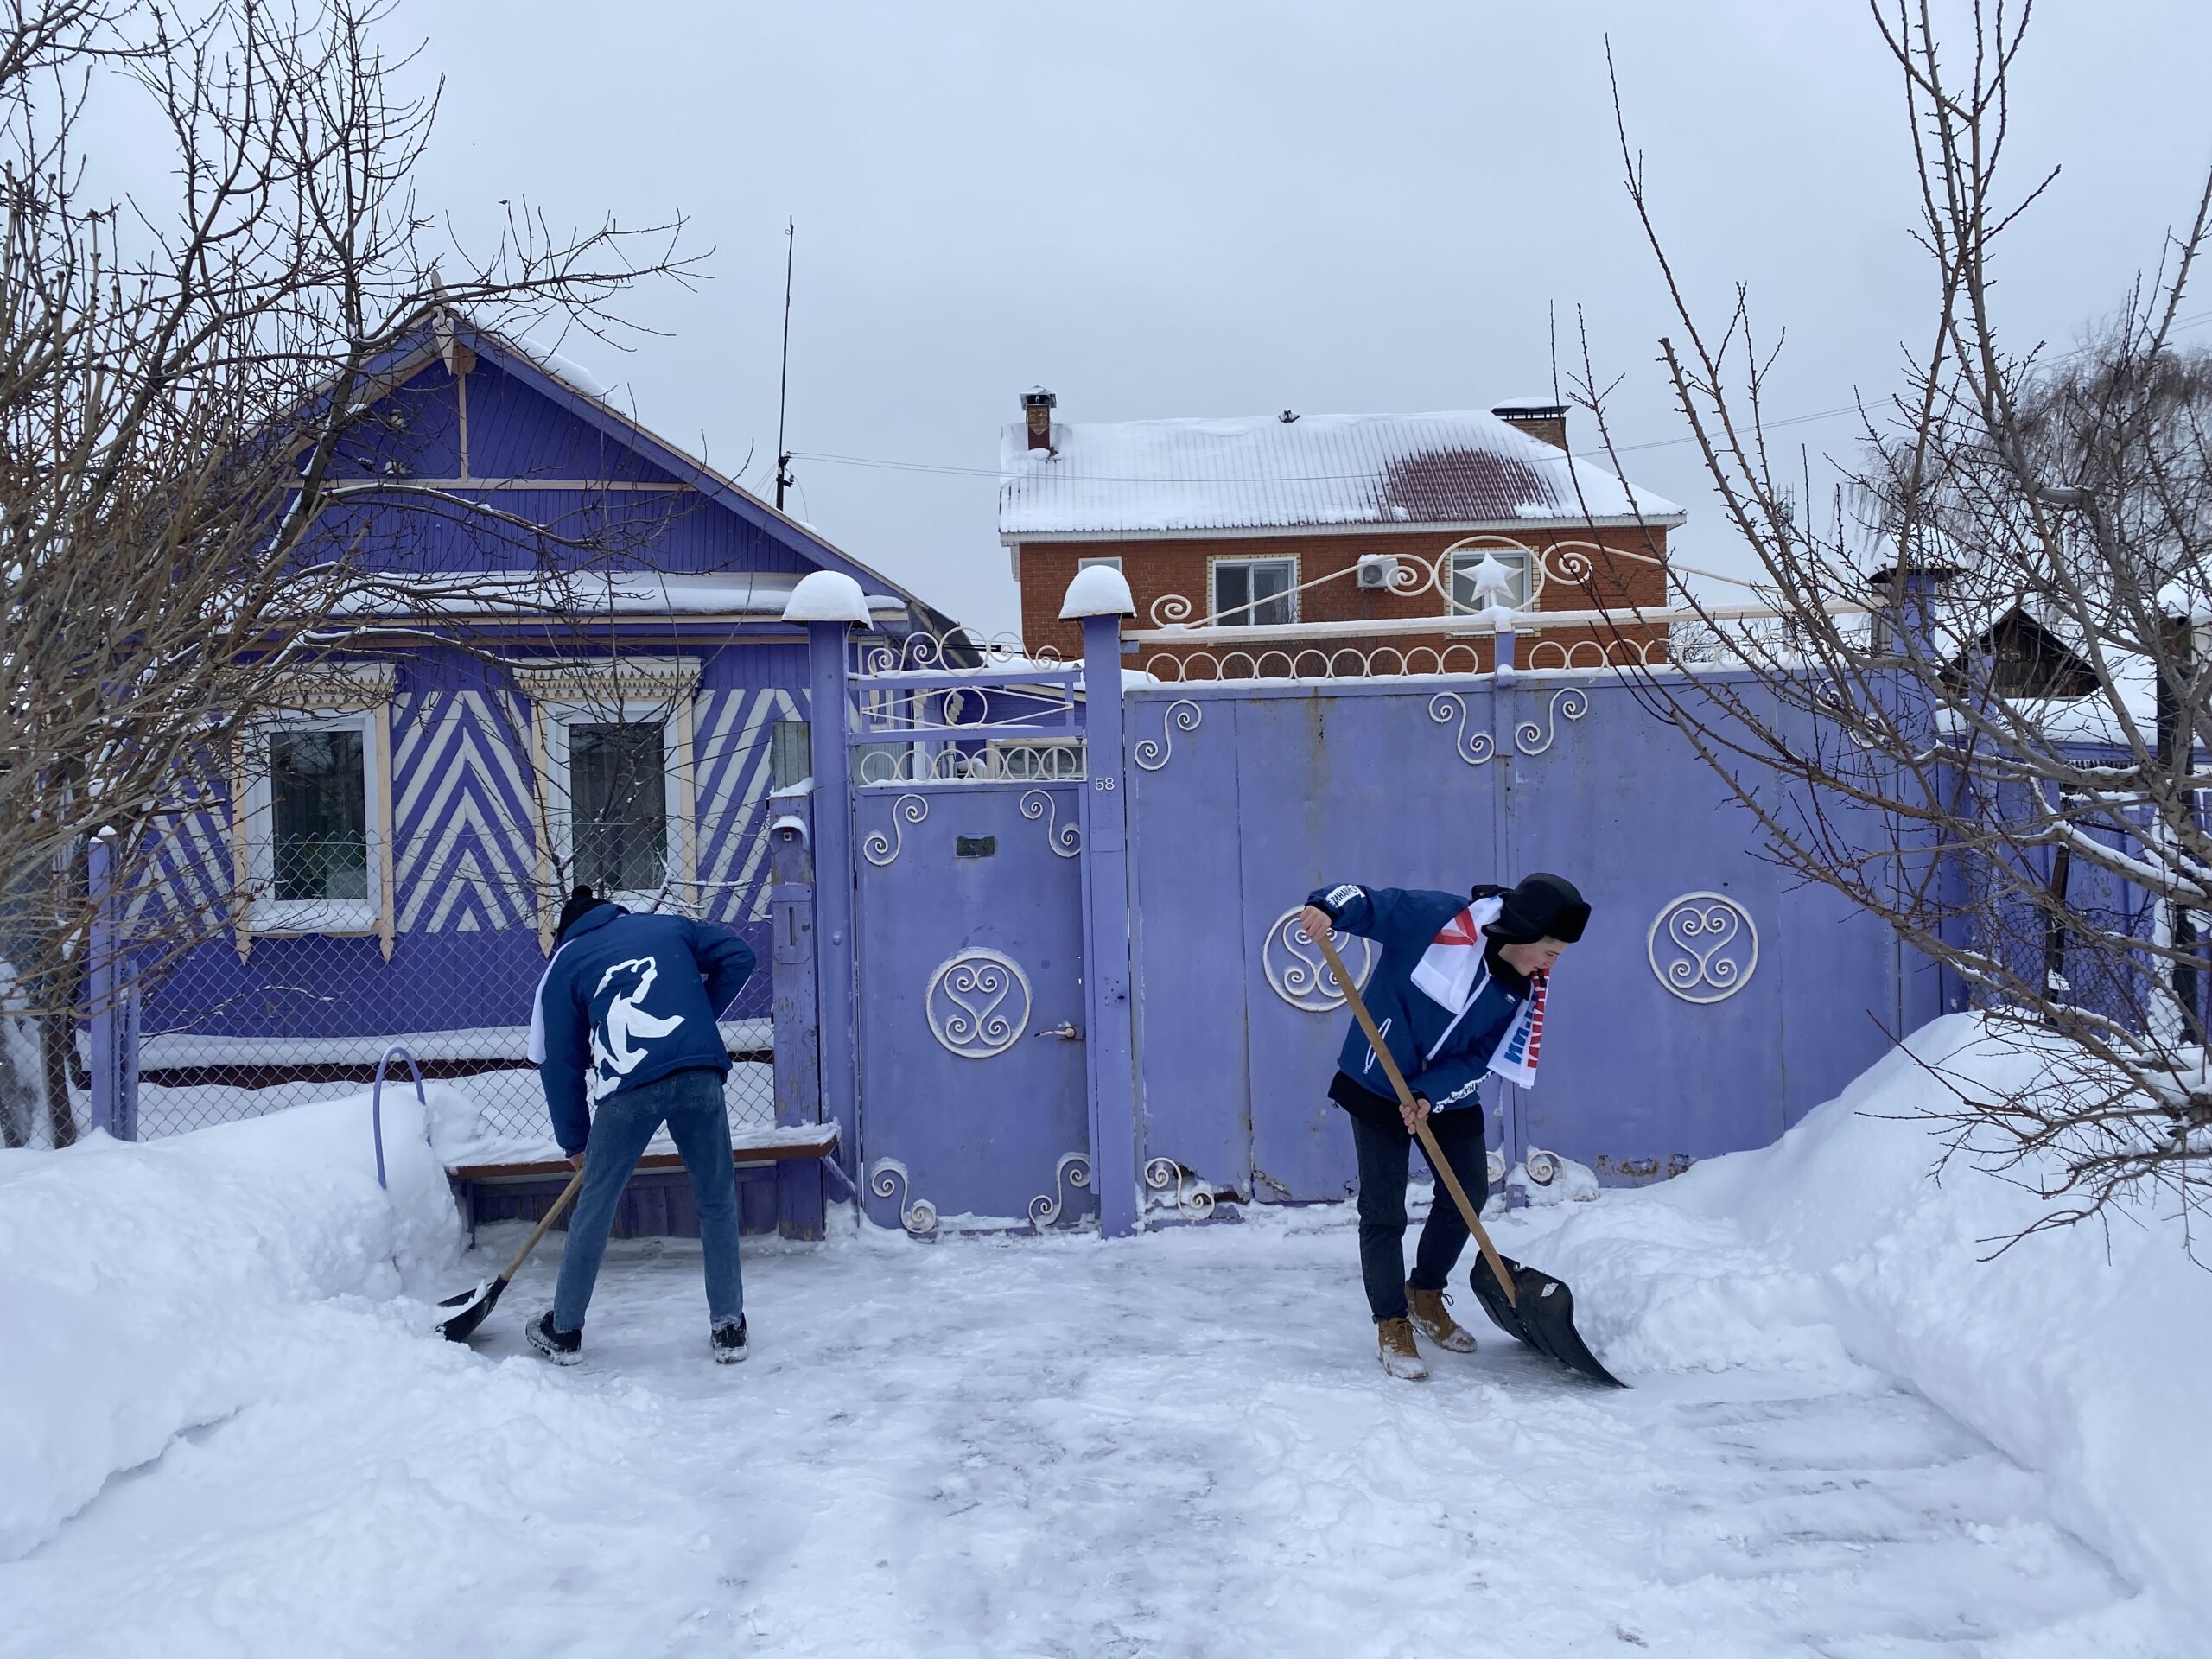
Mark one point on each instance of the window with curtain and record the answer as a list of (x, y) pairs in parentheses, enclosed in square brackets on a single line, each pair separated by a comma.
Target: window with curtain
[(618, 805), (319, 814)]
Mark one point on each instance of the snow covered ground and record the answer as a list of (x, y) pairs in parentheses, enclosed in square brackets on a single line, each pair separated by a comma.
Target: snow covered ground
[(235, 1440)]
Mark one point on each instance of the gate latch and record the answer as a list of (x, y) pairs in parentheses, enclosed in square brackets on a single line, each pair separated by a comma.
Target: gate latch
[(1067, 1033)]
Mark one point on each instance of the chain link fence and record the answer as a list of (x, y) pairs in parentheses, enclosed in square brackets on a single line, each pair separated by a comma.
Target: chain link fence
[(246, 1025)]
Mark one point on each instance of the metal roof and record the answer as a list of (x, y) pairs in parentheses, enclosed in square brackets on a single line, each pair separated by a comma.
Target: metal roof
[(1319, 471)]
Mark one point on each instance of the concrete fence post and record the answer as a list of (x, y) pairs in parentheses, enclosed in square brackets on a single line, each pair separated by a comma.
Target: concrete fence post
[(830, 605), (1915, 589), (1099, 597), (111, 999), (795, 1009)]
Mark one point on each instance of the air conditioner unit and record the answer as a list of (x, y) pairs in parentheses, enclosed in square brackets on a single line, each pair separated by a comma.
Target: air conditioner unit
[(1377, 570)]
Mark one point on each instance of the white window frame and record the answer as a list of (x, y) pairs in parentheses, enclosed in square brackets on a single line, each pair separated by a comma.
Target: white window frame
[(674, 720), (1518, 558), (1113, 560), (590, 690), (1246, 619), (266, 916)]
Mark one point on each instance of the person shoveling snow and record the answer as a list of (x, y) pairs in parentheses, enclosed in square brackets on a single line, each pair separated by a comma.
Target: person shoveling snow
[(1458, 992), (625, 1037)]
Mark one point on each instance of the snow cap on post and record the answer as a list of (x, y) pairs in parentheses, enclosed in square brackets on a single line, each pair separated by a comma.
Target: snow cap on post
[(2179, 604), (1101, 590), (827, 596)]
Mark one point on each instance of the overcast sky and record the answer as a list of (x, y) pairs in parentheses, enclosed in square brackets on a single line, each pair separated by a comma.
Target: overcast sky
[(1202, 208)]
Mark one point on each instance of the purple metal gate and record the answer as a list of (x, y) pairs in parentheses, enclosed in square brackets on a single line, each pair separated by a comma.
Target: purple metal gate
[(964, 953), (969, 942), (1704, 1013)]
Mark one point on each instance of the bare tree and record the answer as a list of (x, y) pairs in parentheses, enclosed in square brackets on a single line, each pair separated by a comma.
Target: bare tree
[(193, 386), (1994, 739)]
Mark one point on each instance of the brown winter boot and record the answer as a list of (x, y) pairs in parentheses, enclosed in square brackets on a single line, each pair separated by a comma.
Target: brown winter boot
[(1400, 1358), (1432, 1319)]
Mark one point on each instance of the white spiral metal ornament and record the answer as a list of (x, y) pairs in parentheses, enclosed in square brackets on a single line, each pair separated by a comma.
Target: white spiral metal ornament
[(1193, 1202), (1477, 747), (1171, 611), (881, 849), (1542, 1167), (1703, 947), (923, 650), (1495, 1163), (1532, 740), (1182, 715), (1073, 1170), (888, 1178), (978, 1003), (1571, 562), (1297, 970), (1066, 839), (1831, 697)]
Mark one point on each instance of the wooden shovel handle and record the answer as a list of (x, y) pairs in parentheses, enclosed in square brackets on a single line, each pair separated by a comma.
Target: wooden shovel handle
[(1436, 1158), (551, 1215)]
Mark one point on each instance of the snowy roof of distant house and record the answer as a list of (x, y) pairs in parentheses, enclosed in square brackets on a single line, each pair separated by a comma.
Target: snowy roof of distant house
[(1459, 469)]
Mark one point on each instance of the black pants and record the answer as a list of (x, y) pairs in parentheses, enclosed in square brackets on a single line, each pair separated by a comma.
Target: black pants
[(1384, 1150)]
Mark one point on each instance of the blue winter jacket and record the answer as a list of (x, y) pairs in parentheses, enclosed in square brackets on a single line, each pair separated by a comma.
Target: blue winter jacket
[(1443, 1061), (626, 1001)]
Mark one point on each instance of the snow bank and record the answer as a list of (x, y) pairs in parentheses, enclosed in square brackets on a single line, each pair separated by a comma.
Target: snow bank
[(2081, 1353), (147, 1290)]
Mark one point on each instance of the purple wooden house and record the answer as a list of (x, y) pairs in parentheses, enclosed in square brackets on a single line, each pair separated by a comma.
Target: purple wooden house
[(595, 686)]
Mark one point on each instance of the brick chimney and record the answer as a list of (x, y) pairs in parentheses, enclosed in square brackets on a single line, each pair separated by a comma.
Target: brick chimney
[(1037, 405), (1539, 417)]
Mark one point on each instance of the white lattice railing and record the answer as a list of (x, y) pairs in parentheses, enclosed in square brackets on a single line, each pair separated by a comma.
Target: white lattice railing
[(1615, 637)]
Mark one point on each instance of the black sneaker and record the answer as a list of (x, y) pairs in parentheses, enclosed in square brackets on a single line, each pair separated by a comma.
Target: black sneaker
[(562, 1347), (728, 1339)]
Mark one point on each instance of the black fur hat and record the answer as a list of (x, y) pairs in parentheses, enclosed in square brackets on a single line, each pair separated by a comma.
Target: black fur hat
[(1541, 906), (580, 902)]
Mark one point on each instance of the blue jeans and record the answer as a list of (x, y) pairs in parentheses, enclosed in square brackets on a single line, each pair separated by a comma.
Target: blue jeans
[(691, 1104)]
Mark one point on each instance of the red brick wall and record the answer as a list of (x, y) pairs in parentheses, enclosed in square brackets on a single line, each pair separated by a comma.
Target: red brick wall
[(1157, 568)]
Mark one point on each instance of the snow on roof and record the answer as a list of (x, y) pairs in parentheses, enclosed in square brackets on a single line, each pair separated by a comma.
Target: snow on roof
[(627, 593), (549, 358), (1259, 472)]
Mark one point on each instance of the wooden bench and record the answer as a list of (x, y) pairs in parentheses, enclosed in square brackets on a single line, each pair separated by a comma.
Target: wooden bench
[(781, 1173)]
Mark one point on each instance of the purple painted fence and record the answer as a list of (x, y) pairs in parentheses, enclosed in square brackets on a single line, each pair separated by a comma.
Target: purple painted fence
[(1707, 1010)]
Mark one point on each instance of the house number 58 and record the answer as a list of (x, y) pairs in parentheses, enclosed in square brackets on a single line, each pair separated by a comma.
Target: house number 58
[(1104, 783)]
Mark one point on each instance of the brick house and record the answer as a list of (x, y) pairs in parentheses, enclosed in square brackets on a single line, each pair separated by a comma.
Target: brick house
[(1259, 523)]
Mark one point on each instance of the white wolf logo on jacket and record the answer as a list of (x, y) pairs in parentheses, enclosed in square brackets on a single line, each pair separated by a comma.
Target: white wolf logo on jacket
[(618, 1041)]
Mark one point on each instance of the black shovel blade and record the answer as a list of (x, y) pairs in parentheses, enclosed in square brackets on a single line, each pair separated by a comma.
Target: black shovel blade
[(471, 1308), (1543, 1317)]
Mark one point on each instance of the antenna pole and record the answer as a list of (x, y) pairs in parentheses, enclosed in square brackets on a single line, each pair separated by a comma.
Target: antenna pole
[(783, 380)]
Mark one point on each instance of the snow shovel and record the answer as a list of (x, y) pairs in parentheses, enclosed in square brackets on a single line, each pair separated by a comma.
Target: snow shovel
[(472, 1307), (1521, 1301)]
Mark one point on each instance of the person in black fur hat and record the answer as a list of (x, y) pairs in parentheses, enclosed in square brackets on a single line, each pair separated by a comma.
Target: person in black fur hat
[(1458, 993)]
